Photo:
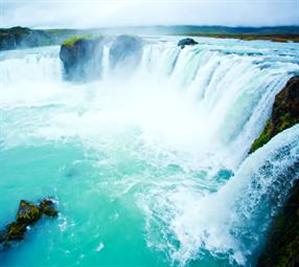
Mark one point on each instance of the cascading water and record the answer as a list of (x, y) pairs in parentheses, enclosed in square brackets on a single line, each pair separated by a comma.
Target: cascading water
[(149, 165)]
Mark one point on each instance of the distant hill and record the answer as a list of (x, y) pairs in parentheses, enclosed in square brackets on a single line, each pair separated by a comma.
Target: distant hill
[(20, 37)]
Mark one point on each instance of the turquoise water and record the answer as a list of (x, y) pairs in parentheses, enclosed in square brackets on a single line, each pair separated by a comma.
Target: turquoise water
[(147, 170)]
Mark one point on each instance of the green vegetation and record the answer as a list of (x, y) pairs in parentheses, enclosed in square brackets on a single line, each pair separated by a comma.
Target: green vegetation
[(263, 138), (27, 215), (251, 37), (71, 41), (20, 37), (284, 115), (74, 39)]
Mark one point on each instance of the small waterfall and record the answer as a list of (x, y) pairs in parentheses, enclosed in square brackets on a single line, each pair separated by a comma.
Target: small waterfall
[(30, 65), (232, 221)]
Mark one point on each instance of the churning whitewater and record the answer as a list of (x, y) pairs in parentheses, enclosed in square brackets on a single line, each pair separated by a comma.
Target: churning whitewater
[(149, 163)]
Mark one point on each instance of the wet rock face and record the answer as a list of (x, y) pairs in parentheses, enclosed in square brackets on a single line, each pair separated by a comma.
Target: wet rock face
[(187, 41), (28, 214), (19, 37), (126, 51), (282, 245), (82, 59), (285, 113)]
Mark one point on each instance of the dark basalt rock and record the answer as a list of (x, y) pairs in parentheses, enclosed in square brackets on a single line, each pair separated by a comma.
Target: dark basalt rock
[(19, 37), (82, 58), (285, 113), (28, 214), (126, 51), (47, 206), (282, 245), (187, 41), (15, 231)]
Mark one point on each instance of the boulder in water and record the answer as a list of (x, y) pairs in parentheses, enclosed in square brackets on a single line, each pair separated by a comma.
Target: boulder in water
[(47, 207), (285, 113), (126, 51), (28, 214), (82, 58), (187, 41)]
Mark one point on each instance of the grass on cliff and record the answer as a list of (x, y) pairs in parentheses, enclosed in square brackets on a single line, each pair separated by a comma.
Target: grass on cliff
[(74, 39)]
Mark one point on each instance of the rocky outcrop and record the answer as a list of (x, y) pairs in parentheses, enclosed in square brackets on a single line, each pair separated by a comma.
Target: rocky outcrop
[(282, 245), (187, 41), (28, 214), (285, 113), (19, 37), (125, 51), (82, 58), (282, 242)]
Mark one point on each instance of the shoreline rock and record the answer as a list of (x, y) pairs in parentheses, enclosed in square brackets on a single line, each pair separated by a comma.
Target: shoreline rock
[(282, 241), (28, 214), (20, 37)]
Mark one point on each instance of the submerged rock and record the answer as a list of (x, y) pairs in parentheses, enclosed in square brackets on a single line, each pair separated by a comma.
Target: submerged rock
[(82, 58), (282, 245), (126, 51), (285, 113), (28, 214), (47, 207), (15, 231), (19, 37), (187, 41)]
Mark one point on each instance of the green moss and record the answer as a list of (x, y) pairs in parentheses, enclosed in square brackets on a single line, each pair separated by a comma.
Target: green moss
[(286, 122), (74, 39), (28, 213), (249, 37), (15, 231), (285, 113), (263, 138), (71, 41)]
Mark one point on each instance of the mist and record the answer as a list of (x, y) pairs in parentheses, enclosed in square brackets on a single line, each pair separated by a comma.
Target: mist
[(101, 13)]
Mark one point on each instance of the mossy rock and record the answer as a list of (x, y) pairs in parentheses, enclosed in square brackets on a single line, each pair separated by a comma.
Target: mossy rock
[(82, 58), (15, 231), (20, 37), (28, 213), (285, 113), (47, 207), (75, 39)]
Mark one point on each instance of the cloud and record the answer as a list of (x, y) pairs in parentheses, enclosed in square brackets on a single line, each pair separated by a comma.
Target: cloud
[(102, 13)]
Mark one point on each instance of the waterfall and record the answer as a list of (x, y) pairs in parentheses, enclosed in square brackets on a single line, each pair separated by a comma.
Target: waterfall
[(173, 133)]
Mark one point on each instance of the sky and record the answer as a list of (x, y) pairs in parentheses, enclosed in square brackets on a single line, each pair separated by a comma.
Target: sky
[(109, 13)]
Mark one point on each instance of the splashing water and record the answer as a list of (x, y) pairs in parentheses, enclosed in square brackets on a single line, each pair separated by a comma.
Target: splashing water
[(149, 166)]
